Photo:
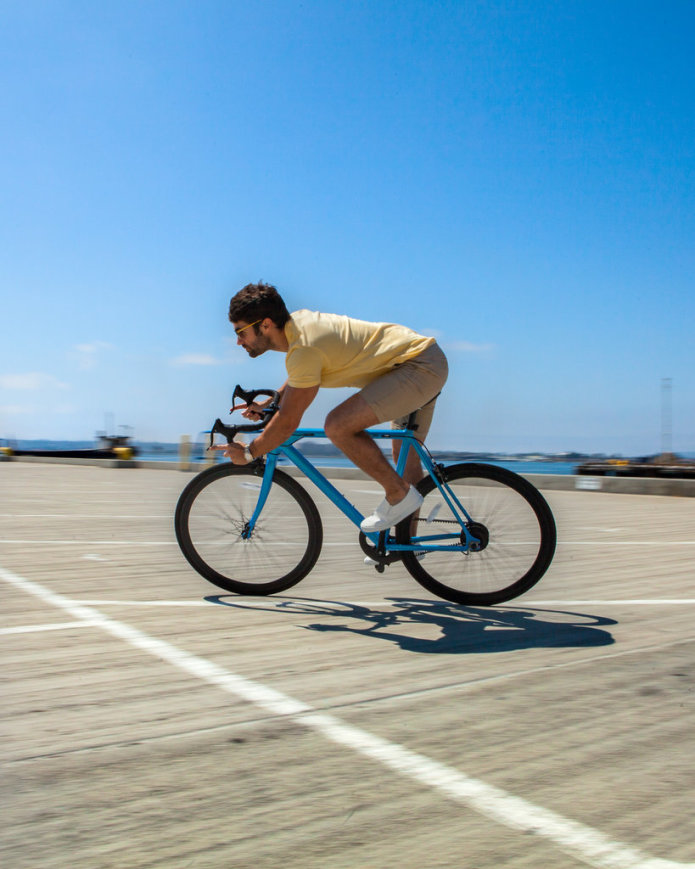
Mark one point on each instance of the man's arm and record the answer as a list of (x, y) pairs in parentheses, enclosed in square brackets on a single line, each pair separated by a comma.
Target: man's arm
[(293, 404)]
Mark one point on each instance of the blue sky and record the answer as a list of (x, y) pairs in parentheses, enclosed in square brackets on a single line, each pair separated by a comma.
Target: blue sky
[(516, 178)]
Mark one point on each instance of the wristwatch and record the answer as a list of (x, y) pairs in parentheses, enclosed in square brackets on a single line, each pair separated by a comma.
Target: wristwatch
[(247, 454)]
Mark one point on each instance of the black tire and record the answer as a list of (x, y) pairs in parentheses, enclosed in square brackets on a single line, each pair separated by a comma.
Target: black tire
[(518, 537), (212, 512)]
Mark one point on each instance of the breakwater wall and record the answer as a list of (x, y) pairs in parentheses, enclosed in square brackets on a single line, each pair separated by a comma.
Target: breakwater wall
[(550, 482)]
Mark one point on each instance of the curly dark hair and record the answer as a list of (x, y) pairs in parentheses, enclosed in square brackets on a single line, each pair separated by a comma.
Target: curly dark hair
[(256, 302)]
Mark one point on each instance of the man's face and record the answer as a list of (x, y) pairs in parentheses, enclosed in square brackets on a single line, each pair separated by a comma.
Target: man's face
[(255, 343)]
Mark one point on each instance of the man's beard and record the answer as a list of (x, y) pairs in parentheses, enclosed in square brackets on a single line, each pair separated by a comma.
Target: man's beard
[(258, 351)]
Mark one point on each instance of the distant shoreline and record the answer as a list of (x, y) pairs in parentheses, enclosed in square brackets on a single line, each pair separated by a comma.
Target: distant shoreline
[(325, 455), (155, 449)]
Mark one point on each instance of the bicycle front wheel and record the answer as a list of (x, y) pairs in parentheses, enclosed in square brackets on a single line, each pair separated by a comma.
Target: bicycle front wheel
[(212, 528), (510, 518)]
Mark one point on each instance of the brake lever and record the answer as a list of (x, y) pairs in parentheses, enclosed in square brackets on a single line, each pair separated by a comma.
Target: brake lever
[(248, 396), (228, 431)]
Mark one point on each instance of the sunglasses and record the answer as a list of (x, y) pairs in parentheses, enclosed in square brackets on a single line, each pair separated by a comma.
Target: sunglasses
[(248, 326)]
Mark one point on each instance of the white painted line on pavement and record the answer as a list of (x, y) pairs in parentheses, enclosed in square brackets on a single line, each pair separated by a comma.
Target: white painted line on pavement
[(30, 629), (91, 542), (351, 543), (146, 517), (627, 602), (626, 542), (284, 603), (15, 542), (142, 602), (582, 842)]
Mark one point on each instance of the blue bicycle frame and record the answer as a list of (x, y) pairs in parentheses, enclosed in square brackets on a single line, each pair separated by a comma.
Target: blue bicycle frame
[(429, 543)]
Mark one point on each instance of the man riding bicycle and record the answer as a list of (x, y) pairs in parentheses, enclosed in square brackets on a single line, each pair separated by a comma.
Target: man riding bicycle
[(397, 371)]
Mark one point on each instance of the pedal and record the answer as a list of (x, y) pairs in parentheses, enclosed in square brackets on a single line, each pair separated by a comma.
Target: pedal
[(377, 563), (378, 557)]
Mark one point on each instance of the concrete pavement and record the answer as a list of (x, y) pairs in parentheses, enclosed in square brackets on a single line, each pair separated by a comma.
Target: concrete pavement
[(152, 720)]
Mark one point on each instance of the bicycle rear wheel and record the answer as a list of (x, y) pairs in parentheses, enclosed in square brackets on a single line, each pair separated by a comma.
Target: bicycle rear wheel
[(509, 516), (211, 524)]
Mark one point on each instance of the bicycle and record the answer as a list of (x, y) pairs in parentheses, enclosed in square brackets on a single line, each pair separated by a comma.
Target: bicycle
[(483, 534)]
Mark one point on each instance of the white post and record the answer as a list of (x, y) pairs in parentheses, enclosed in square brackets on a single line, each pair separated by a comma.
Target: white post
[(185, 453)]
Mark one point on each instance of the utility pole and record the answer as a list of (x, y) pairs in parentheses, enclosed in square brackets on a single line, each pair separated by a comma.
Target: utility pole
[(666, 415)]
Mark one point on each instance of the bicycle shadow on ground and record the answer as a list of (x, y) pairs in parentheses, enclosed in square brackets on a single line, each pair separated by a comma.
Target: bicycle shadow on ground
[(451, 628)]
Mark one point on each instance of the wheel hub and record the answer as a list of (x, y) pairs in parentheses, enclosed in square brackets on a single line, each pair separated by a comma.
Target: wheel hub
[(478, 530)]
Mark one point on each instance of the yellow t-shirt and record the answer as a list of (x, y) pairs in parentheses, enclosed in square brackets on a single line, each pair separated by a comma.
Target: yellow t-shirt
[(333, 350)]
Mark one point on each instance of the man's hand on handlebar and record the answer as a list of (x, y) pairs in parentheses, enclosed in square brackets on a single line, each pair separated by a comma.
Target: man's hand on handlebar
[(260, 413), (254, 410), (233, 451)]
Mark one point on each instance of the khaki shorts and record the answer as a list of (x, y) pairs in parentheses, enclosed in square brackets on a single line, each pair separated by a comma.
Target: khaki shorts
[(411, 386)]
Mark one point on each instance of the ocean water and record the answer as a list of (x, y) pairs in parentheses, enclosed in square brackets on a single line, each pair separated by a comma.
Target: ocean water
[(519, 467), (169, 453)]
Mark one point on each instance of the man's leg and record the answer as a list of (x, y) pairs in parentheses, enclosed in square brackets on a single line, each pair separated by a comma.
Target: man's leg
[(345, 427), (416, 382), (413, 465), (421, 426)]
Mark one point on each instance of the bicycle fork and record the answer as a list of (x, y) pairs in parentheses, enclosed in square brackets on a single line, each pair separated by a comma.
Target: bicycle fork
[(268, 465)]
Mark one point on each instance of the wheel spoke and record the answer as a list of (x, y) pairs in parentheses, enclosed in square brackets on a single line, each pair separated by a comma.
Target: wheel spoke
[(213, 522), (509, 517)]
